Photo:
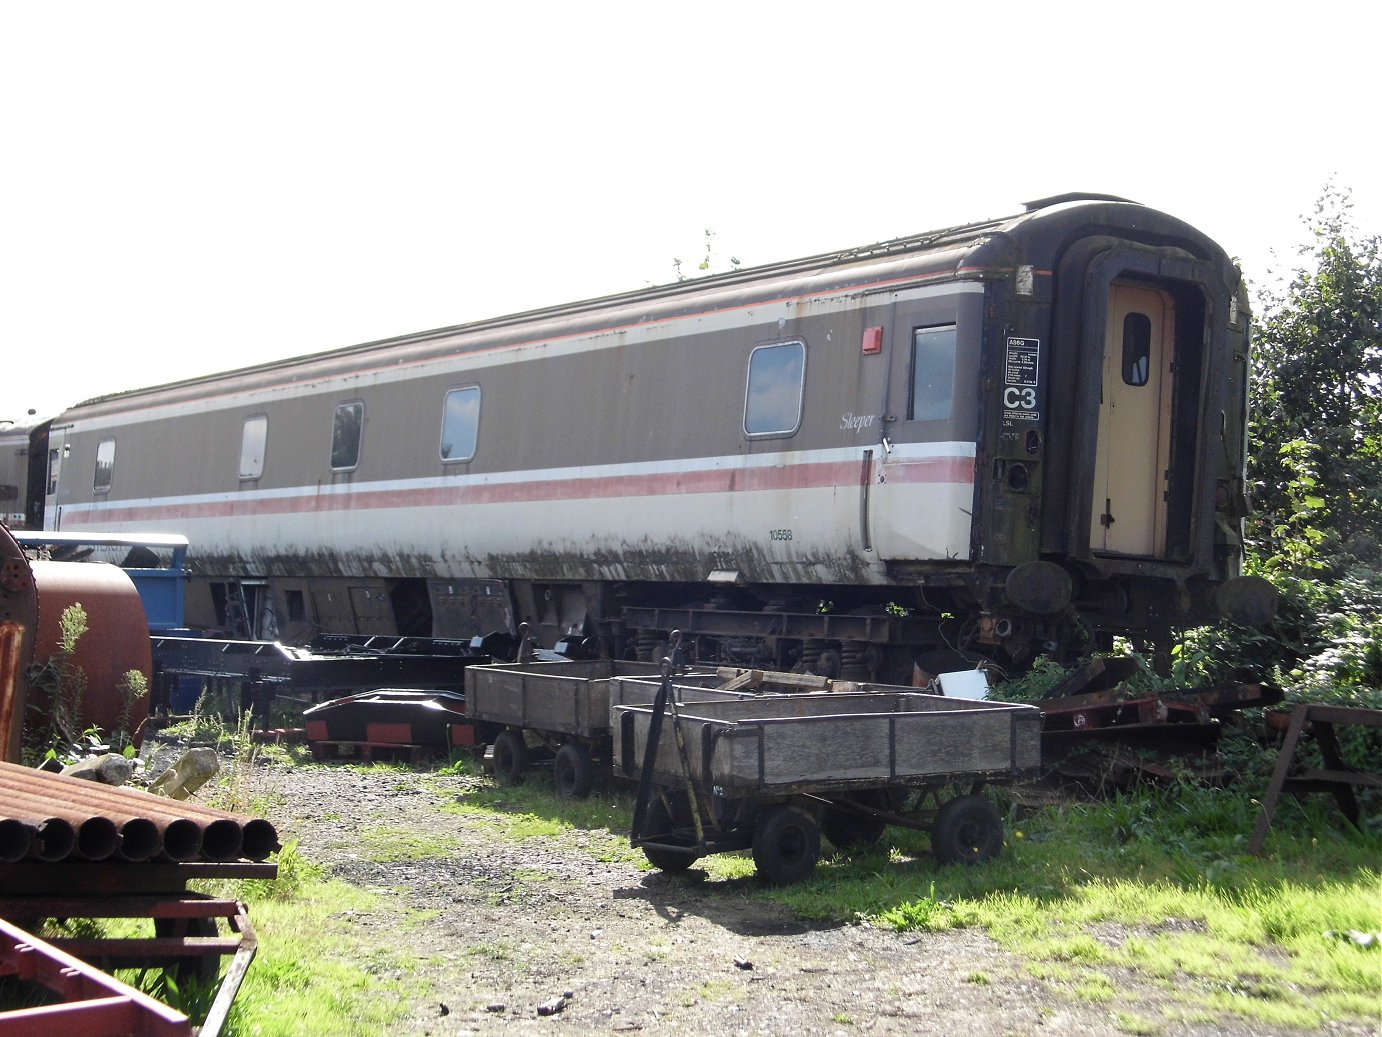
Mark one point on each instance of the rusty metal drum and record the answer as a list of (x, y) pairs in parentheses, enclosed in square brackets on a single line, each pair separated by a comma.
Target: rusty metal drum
[(18, 621), (116, 640)]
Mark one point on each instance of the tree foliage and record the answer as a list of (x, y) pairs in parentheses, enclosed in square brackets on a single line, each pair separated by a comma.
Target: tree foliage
[(1316, 460), (1315, 464)]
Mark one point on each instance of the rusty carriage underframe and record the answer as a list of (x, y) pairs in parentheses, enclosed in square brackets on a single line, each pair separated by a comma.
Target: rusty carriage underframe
[(888, 634), (936, 620)]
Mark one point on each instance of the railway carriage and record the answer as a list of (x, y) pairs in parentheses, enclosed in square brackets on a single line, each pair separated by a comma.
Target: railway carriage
[(21, 473), (994, 440)]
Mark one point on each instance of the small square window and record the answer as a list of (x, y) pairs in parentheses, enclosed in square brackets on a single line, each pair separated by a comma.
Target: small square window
[(105, 466), (933, 374), (346, 429), (1137, 349), (772, 399), (253, 441), (460, 423)]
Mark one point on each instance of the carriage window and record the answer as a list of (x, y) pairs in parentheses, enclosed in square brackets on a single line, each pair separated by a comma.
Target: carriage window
[(297, 609), (105, 466), (345, 436), (1137, 348), (933, 374), (252, 443), (460, 423), (772, 401)]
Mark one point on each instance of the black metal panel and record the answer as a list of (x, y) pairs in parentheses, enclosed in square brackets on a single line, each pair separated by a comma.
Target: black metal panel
[(339, 663)]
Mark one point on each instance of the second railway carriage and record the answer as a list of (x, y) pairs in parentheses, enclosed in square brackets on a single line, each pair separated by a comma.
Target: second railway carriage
[(1015, 436), (22, 470)]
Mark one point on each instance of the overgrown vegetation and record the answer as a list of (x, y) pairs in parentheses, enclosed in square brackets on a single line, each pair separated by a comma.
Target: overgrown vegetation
[(1153, 886), (55, 726), (1315, 468)]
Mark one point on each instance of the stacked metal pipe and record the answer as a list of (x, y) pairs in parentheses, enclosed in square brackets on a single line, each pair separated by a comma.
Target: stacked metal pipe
[(50, 817)]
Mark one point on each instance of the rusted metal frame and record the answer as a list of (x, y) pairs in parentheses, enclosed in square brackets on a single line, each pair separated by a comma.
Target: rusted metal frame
[(96, 1005), (136, 949), (242, 947), (1149, 710), (235, 974), (727, 623), (188, 905), (1238, 696), (154, 878)]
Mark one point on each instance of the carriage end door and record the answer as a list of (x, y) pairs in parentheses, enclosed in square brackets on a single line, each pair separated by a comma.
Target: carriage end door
[(1132, 459)]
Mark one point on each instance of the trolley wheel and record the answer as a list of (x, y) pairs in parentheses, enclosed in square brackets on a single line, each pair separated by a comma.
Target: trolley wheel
[(968, 830), (572, 771), (510, 757), (660, 823), (786, 844), (847, 830)]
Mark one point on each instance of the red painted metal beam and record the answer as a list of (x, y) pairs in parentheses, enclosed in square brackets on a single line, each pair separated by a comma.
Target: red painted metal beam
[(94, 1004)]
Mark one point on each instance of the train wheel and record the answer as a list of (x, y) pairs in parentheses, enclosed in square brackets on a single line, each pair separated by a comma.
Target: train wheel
[(968, 830), (572, 771), (660, 824), (510, 757), (786, 844)]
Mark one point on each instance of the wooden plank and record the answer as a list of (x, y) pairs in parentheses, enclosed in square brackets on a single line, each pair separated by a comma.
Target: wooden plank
[(744, 679), (1345, 715), (1336, 777)]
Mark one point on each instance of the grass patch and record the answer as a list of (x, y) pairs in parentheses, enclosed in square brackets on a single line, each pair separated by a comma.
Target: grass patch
[(1156, 882), (1153, 888), (385, 843), (1138, 1026), (320, 971), (298, 989), (1095, 987)]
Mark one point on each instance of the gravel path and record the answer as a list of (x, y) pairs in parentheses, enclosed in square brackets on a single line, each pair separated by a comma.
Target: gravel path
[(518, 926)]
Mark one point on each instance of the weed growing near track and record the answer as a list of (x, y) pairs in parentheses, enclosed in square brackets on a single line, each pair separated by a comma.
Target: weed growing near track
[(1156, 885)]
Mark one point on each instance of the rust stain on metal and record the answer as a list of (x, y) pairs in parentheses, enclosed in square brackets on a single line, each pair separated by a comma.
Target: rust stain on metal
[(12, 695), (18, 619)]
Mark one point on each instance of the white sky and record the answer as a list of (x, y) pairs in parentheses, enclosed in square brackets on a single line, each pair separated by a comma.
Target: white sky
[(187, 187)]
